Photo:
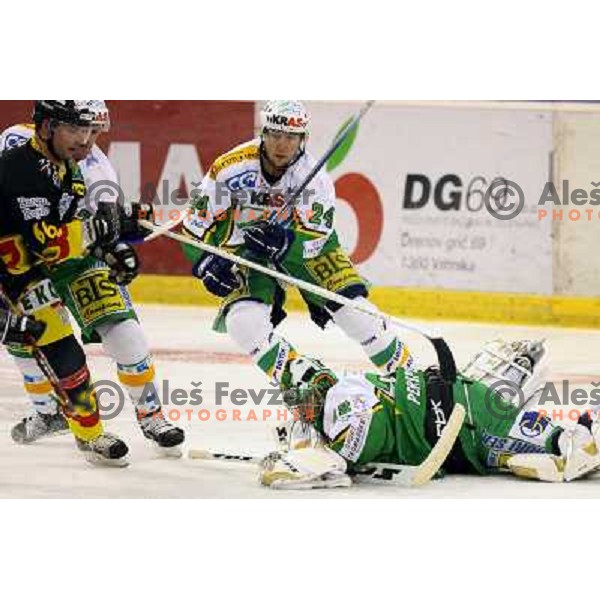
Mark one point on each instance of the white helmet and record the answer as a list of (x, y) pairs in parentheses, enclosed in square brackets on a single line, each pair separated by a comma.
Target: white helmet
[(100, 113), (288, 116), (84, 113)]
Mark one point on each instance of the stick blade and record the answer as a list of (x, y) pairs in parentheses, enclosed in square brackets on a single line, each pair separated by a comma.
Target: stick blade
[(199, 454)]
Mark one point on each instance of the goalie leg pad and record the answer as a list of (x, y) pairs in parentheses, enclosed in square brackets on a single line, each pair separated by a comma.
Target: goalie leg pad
[(579, 456), (306, 468), (543, 467), (580, 447)]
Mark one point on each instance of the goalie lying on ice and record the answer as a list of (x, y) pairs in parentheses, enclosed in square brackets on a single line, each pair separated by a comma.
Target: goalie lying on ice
[(397, 419)]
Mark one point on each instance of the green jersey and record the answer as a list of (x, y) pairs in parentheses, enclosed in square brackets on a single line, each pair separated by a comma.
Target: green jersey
[(398, 419)]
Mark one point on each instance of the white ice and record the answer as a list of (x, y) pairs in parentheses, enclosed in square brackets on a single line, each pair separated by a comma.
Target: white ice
[(187, 350)]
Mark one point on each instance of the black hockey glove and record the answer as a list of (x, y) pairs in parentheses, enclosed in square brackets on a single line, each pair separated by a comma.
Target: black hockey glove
[(217, 274), (122, 260), (114, 222), (19, 330), (269, 240), (103, 229), (131, 231)]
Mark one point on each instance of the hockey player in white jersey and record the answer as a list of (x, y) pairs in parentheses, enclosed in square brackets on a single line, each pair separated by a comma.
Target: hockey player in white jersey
[(116, 328), (243, 188)]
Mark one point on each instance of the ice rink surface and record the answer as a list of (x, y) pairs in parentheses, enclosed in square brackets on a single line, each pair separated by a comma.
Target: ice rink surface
[(186, 350)]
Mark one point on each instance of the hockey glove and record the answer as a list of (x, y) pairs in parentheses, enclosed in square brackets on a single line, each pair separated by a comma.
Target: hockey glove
[(269, 240), (131, 231), (19, 330), (122, 260), (217, 274), (103, 229)]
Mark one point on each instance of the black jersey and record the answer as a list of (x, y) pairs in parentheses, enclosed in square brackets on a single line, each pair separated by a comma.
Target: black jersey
[(39, 201)]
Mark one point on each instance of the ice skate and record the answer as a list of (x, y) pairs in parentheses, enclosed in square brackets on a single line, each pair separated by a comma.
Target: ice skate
[(37, 426), (166, 436), (107, 450)]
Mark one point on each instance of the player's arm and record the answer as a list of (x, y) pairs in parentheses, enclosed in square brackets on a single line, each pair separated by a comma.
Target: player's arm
[(315, 220), (209, 213), (305, 235), (209, 219)]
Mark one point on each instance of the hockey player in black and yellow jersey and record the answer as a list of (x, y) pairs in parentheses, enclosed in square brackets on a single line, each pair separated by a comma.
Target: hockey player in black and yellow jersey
[(103, 310), (41, 189), (46, 234)]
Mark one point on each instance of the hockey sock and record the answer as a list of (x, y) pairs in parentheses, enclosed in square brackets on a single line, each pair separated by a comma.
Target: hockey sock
[(381, 345), (36, 385), (126, 344)]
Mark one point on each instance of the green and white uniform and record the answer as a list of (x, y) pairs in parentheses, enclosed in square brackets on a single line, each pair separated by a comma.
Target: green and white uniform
[(235, 193), (398, 418)]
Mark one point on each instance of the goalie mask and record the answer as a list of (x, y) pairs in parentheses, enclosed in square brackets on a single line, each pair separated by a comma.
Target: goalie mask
[(308, 384)]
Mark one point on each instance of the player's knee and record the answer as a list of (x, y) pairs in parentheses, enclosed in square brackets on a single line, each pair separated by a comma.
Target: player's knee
[(249, 324), (124, 341), (358, 290), (356, 324)]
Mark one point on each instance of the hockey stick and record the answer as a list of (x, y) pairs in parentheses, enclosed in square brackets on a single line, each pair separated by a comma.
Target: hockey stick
[(404, 475), (162, 229), (447, 364), (337, 142), (40, 358)]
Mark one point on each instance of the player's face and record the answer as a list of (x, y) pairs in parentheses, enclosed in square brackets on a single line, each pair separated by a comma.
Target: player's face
[(281, 148), (82, 150), (71, 141)]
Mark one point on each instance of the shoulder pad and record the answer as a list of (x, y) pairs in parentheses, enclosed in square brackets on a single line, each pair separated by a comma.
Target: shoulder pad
[(235, 156), (15, 136)]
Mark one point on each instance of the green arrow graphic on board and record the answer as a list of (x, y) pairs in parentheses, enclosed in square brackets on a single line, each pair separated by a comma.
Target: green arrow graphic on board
[(340, 154)]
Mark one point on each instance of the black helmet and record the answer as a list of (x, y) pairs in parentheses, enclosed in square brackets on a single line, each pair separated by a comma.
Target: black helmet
[(90, 113)]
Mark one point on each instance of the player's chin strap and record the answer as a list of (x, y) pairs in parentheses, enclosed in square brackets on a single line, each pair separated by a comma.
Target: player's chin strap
[(442, 350)]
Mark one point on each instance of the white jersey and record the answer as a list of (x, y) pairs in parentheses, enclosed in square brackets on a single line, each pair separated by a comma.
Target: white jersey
[(349, 407), (95, 167), (236, 181)]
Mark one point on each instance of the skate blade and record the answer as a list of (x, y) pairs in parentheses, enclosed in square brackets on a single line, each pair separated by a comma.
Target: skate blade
[(23, 442), (101, 461), (173, 452)]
